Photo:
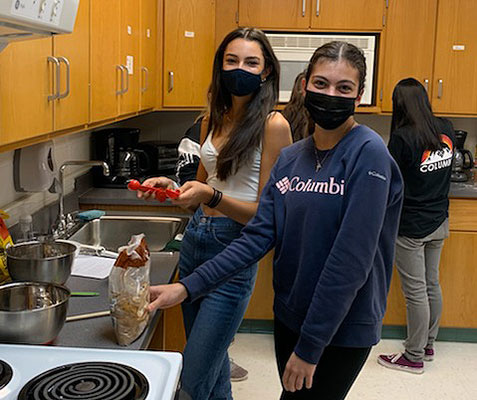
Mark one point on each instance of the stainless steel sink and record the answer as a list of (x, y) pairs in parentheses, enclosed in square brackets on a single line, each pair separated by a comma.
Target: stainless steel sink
[(113, 231)]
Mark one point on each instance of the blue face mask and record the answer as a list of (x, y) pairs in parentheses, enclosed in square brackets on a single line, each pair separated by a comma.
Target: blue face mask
[(240, 82)]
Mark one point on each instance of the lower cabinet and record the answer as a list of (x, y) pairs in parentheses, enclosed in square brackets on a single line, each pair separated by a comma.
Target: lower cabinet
[(170, 332)]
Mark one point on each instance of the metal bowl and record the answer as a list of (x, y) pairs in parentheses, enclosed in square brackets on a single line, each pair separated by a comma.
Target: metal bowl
[(32, 312), (41, 262)]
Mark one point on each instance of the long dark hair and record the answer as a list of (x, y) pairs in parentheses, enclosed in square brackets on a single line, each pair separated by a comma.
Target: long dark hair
[(296, 114), (411, 107), (247, 134), (338, 50)]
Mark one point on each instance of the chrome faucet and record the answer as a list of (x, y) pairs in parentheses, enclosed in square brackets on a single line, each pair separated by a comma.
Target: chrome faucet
[(64, 221)]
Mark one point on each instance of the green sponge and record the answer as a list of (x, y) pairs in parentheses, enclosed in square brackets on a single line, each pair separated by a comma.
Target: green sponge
[(90, 215)]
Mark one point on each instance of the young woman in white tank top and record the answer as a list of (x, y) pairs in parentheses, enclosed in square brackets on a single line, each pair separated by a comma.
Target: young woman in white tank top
[(240, 140)]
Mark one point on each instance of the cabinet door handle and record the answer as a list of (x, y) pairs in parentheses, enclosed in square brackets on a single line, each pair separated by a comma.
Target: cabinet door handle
[(426, 84), (439, 88), (121, 89), (126, 72), (171, 81), (317, 8), (56, 79), (67, 90), (146, 79), (303, 8)]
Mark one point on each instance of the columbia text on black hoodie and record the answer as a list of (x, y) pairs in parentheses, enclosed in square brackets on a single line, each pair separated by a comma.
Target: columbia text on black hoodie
[(333, 231)]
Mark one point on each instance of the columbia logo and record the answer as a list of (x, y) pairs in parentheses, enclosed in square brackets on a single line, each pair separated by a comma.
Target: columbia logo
[(283, 185)]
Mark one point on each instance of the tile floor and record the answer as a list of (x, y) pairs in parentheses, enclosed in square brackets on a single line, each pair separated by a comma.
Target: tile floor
[(451, 376)]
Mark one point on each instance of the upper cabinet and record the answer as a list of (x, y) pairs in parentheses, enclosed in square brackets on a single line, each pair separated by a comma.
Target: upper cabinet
[(129, 56), (344, 15), (442, 59), (115, 70), (72, 53), (147, 61), (408, 52), (188, 51), (44, 83), (274, 14), (107, 75), (455, 66), (27, 81), (348, 15)]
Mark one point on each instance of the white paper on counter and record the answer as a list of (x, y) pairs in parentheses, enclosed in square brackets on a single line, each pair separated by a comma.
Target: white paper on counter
[(92, 266)]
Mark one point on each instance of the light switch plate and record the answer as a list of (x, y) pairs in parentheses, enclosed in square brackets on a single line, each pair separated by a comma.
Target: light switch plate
[(130, 64)]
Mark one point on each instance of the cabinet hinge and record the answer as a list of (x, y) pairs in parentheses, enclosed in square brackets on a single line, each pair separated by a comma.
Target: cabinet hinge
[(381, 94), (236, 17), (384, 19), (387, 3)]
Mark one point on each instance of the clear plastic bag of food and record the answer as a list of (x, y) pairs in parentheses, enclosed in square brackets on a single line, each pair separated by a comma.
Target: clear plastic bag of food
[(129, 290)]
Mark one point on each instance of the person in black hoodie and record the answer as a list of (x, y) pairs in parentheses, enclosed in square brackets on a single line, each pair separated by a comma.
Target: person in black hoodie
[(423, 147), (189, 154)]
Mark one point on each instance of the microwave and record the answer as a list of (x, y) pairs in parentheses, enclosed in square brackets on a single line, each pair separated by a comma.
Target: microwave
[(294, 51)]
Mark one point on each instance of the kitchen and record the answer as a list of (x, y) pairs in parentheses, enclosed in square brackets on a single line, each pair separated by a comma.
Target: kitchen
[(161, 40)]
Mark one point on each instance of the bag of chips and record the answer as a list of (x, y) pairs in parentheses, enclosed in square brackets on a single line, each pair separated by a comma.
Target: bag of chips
[(129, 290), (5, 241)]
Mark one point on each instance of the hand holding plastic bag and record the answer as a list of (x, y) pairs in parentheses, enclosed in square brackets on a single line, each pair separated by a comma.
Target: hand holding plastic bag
[(129, 290)]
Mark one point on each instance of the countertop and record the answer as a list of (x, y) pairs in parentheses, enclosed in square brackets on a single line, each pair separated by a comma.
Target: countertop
[(98, 332), (127, 197), (463, 190)]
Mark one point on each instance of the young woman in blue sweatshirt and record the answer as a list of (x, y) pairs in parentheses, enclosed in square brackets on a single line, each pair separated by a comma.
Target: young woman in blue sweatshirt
[(331, 209)]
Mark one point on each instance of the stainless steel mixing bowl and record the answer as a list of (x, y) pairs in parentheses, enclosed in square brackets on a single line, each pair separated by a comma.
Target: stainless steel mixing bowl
[(41, 262), (32, 312)]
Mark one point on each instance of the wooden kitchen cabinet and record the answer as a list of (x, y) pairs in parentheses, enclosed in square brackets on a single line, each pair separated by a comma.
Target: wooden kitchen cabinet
[(225, 19), (343, 15), (29, 80), (147, 55), (105, 46), (347, 15), (129, 56), (408, 52), (26, 81), (114, 44), (189, 37), (261, 303), (72, 50), (275, 13), (455, 67)]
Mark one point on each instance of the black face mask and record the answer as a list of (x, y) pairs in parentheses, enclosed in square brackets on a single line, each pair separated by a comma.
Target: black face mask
[(327, 111), (240, 82)]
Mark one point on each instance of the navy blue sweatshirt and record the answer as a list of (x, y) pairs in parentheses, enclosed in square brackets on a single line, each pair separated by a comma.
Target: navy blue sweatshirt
[(333, 231)]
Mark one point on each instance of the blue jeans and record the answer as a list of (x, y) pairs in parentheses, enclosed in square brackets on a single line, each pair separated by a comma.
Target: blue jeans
[(212, 321)]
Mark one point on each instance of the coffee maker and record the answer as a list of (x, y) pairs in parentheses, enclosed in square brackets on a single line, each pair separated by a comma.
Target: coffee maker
[(463, 159), (119, 148)]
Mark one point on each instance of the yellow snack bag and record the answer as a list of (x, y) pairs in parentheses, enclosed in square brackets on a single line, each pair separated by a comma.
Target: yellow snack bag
[(5, 241)]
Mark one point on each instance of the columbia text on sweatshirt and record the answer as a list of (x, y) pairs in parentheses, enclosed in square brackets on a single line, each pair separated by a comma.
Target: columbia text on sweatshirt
[(333, 231)]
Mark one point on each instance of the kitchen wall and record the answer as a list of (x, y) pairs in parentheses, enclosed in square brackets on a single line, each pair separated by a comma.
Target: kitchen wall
[(72, 147), (171, 125), (164, 126)]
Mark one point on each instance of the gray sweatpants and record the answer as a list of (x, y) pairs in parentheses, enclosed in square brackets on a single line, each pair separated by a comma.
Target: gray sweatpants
[(417, 262)]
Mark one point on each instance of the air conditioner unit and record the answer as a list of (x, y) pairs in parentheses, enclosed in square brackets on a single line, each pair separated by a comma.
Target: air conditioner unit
[(294, 50), (31, 19)]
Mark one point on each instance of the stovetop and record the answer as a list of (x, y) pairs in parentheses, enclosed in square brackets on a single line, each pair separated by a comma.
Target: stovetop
[(54, 373)]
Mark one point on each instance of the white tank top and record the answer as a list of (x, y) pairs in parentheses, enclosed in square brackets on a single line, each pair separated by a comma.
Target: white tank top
[(241, 186)]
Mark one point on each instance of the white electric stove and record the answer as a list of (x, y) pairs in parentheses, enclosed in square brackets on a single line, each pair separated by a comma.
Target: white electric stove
[(66, 373)]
